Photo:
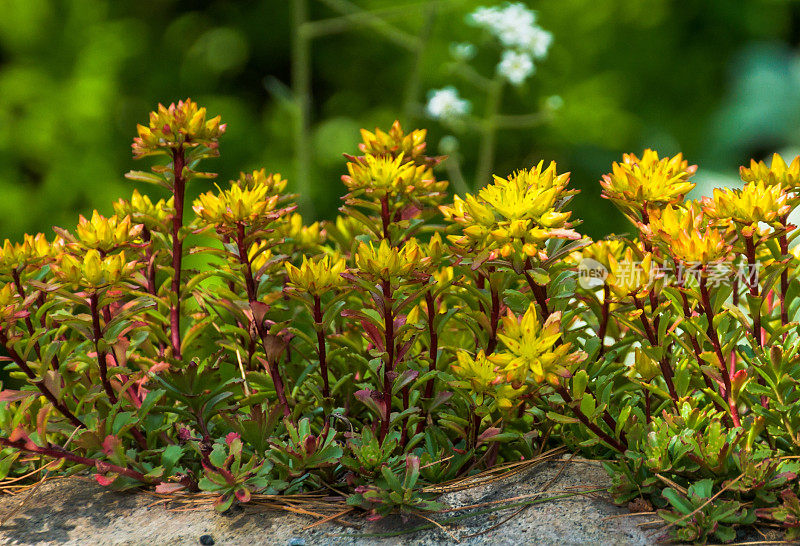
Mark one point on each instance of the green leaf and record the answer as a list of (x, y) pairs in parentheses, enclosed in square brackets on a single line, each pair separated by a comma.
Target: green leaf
[(588, 405), (123, 419), (558, 418), (218, 455), (678, 501), (150, 178), (579, 382), (170, 457)]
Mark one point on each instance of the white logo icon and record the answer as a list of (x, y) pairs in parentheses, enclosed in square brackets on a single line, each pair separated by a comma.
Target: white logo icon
[(591, 273)]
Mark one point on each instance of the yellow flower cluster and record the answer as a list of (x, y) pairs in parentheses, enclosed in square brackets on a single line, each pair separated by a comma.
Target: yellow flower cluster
[(684, 233), (396, 142), (317, 276), (143, 211), (636, 184), (394, 164), (273, 182), (388, 263), (378, 175), (106, 234), (179, 125), (32, 250), (531, 349), (302, 236), (756, 202), (481, 375), (259, 254), (514, 216), (94, 271), (600, 251), (778, 173), (236, 205)]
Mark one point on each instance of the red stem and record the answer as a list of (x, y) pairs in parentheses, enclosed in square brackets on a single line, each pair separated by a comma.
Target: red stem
[(752, 281), (388, 367), (433, 346), (21, 291), (101, 355), (539, 294), (323, 360), (601, 332), (783, 241), (252, 297), (619, 446), (150, 274), (666, 370), (101, 363), (18, 360), (179, 190), (60, 453), (494, 319), (712, 334)]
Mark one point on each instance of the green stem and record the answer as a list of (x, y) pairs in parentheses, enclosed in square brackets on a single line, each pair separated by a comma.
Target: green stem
[(494, 97), (375, 23), (301, 91), (415, 76)]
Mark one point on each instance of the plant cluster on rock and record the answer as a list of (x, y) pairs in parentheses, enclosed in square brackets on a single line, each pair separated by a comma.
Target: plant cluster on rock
[(231, 348)]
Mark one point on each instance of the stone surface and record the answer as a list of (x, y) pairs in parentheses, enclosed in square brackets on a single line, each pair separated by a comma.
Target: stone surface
[(79, 511)]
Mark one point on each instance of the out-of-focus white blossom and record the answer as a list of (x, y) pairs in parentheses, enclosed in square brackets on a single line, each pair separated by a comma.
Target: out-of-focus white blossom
[(515, 66), (514, 25), (538, 43), (445, 103), (488, 18), (462, 51)]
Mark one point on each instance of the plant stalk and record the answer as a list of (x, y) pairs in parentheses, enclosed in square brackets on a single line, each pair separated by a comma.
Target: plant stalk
[(56, 452), (712, 334), (613, 442), (323, 360), (179, 192), (46, 392), (388, 368)]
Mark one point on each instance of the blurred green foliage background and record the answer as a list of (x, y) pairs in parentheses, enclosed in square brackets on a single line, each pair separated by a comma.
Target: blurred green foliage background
[(718, 80)]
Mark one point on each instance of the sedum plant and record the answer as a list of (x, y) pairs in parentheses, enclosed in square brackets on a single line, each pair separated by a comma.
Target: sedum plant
[(225, 346)]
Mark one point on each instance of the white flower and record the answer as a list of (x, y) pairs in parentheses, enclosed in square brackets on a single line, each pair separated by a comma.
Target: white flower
[(516, 35), (515, 66), (538, 42), (488, 18), (514, 25), (511, 24), (445, 103), (518, 13)]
